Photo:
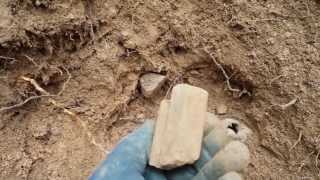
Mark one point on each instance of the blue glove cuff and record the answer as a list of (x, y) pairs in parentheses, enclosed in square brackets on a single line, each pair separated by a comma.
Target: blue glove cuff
[(129, 159)]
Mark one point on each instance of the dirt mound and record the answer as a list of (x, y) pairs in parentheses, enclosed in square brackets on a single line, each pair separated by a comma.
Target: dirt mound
[(258, 58)]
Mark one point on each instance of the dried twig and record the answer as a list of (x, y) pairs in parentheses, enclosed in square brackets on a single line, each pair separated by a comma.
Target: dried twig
[(292, 102), (41, 90), (66, 111), (303, 162), (284, 18), (67, 81), (175, 81), (296, 143), (32, 60), (72, 115), (285, 106), (92, 34), (91, 138), (23, 103), (56, 104), (36, 85), (226, 76), (10, 60), (317, 163), (274, 79), (52, 101), (7, 58), (268, 19)]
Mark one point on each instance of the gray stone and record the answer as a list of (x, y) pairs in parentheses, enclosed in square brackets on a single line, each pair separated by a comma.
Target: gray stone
[(179, 128), (150, 83)]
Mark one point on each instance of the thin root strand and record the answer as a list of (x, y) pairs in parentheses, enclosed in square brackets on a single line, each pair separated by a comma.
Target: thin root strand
[(297, 142), (60, 106), (226, 76)]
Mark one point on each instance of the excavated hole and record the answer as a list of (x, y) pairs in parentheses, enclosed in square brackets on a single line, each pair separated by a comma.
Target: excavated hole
[(234, 127)]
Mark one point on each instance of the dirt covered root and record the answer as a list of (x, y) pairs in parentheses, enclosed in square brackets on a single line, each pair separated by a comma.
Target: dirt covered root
[(260, 59)]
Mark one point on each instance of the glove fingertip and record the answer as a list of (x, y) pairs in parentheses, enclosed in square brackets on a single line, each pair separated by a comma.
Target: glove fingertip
[(211, 122), (231, 176), (233, 157)]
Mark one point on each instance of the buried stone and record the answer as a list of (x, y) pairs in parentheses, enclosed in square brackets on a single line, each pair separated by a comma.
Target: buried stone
[(150, 83)]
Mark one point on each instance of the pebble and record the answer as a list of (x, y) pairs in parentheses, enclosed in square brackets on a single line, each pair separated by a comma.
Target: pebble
[(150, 83), (41, 132), (221, 109)]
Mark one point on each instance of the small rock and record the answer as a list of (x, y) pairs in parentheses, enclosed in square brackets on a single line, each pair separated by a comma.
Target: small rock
[(194, 72), (287, 34), (150, 83), (42, 132), (222, 109), (42, 3), (140, 116), (126, 34), (129, 44), (271, 41)]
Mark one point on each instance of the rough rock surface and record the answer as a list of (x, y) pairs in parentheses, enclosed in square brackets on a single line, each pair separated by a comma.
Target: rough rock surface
[(179, 128), (150, 83)]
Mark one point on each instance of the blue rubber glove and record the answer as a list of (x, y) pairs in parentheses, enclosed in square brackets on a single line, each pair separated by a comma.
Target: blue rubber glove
[(219, 156), (128, 161)]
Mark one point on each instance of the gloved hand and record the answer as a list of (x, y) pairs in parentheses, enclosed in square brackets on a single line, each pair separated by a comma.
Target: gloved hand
[(223, 155)]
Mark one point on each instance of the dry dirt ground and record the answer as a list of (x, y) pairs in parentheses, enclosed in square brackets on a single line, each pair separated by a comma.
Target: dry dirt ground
[(94, 51)]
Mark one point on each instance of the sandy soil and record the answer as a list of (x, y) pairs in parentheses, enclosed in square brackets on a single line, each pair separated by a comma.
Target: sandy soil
[(269, 50)]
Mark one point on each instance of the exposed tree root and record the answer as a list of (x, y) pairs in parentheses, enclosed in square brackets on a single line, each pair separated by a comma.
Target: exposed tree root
[(56, 104), (23, 103), (285, 106), (297, 142)]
